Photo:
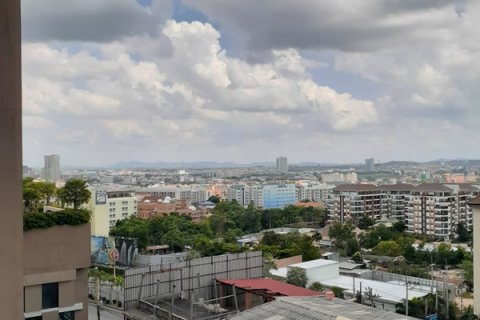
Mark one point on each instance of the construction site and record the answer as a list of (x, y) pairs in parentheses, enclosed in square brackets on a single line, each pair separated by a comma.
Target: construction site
[(190, 289)]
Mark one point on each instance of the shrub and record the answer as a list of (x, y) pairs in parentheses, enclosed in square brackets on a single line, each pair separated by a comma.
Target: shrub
[(38, 220), (119, 304)]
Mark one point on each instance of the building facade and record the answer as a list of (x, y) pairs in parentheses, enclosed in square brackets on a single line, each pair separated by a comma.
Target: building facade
[(432, 209), (353, 201), (278, 196), (281, 165), (56, 273), (194, 194), (108, 207), (436, 209), (314, 192), (51, 168)]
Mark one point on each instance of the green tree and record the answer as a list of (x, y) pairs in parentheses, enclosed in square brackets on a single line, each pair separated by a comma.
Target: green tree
[(316, 286), (464, 235), (337, 291), (75, 192), (297, 277), (399, 226), (388, 248), (357, 257), (365, 222), (214, 199), (268, 264), (467, 267), (306, 248), (341, 232), (352, 246), (46, 190), (31, 197)]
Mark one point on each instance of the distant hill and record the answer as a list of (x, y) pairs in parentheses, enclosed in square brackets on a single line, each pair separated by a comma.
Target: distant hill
[(187, 165)]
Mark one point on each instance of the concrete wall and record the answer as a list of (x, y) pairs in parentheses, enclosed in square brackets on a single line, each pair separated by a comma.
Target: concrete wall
[(58, 254), (11, 234), (57, 248)]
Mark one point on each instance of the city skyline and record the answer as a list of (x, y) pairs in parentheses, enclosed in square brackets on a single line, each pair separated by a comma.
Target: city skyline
[(245, 82)]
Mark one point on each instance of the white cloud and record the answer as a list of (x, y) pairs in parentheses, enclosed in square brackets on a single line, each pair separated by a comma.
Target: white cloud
[(169, 90)]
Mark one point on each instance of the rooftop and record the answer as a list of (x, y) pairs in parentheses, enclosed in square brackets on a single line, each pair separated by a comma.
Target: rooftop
[(315, 308), (387, 291), (356, 188), (314, 264), (475, 201), (273, 287)]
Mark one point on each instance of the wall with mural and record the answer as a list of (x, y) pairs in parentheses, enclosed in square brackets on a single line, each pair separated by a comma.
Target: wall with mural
[(101, 250)]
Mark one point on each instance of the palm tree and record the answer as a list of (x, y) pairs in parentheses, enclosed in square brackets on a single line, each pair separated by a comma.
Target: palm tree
[(74, 192)]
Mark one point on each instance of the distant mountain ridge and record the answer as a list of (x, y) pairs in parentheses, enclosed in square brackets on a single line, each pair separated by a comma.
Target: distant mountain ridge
[(187, 165)]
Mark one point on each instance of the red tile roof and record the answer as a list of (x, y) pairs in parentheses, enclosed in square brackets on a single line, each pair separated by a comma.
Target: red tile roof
[(272, 287)]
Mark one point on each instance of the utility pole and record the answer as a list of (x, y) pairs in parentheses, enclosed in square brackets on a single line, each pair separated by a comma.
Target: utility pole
[(447, 303), (436, 297), (98, 298), (406, 297)]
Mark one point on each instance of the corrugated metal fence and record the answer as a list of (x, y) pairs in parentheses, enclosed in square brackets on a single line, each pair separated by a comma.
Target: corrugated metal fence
[(193, 276)]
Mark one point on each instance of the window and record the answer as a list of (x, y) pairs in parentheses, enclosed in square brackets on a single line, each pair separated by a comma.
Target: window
[(66, 315), (50, 295)]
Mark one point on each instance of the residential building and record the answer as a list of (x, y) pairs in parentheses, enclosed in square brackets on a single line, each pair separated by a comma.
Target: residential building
[(353, 201), (51, 169), (370, 164), (396, 200), (56, 262), (282, 165), (278, 196), (435, 209), (339, 177), (108, 207), (245, 194), (152, 206), (475, 205), (313, 192), (195, 193)]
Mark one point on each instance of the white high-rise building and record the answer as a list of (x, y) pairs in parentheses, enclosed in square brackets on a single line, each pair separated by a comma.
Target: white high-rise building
[(282, 165), (51, 169)]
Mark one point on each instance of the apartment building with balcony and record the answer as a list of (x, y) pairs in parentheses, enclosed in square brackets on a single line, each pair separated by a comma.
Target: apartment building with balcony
[(194, 193), (353, 201), (316, 192), (435, 209), (395, 197)]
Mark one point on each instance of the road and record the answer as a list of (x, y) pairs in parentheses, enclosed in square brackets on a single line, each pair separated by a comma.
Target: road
[(105, 314)]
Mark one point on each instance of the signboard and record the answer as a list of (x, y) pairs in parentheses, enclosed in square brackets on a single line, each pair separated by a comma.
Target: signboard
[(100, 197), (113, 254)]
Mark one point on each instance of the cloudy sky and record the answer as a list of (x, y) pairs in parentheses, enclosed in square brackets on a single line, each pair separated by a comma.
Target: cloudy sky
[(227, 80)]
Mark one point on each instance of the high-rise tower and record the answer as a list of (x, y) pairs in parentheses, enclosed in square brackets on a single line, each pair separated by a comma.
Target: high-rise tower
[(282, 165), (51, 168)]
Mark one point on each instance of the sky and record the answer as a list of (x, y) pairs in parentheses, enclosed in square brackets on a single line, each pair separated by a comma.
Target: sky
[(322, 81)]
